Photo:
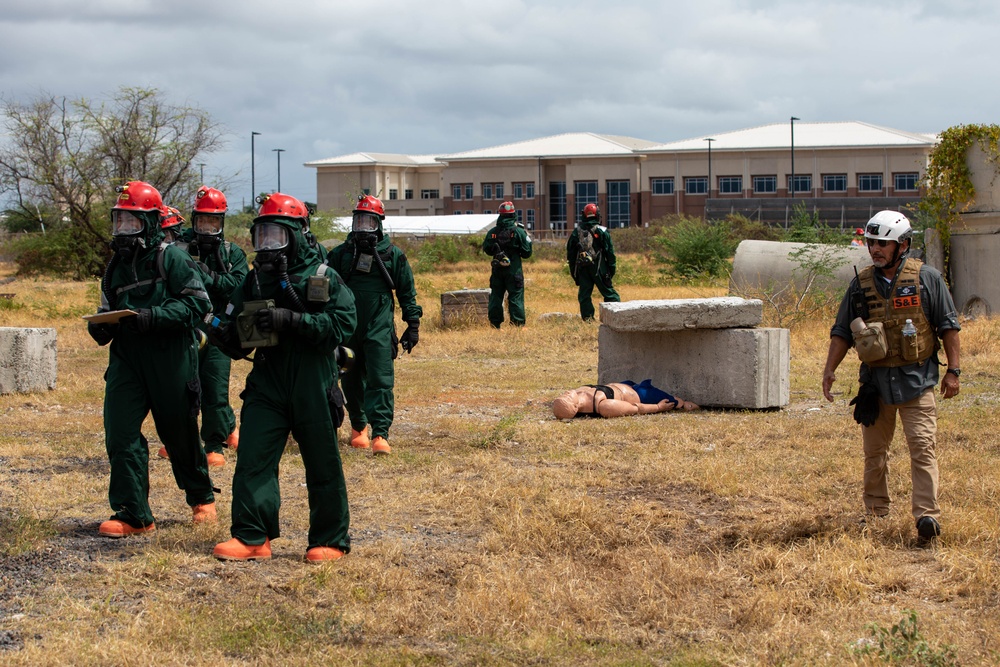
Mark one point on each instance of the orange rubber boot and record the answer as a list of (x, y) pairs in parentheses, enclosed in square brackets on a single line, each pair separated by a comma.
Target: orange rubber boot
[(204, 513), (359, 439), (381, 446), (115, 528), (233, 441), (235, 549), (163, 453), (323, 554), (215, 459)]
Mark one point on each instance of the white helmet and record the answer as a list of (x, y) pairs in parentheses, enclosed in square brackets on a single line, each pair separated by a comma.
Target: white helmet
[(890, 226)]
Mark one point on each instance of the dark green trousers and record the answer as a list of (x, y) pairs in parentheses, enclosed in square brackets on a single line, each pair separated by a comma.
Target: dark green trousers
[(155, 373), (217, 417), (510, 283), (587, 284), (369, 386)]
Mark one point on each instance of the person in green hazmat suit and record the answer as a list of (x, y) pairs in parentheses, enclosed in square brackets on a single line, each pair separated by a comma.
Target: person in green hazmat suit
[(374, 268), (507, 243), (294, 313), (592, 260), (153, 362)]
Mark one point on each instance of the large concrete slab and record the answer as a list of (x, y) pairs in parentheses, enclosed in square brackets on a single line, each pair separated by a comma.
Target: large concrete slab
[(726, 368), (725, 312), (27, 360)]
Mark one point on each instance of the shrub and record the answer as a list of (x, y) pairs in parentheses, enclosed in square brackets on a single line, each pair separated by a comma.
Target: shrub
[(695, 247), (61, 253)]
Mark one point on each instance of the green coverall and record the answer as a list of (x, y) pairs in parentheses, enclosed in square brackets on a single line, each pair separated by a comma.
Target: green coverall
[(156, 371), (368, 385), (592, 269), (227, 267), (512, 240), (292, 388)]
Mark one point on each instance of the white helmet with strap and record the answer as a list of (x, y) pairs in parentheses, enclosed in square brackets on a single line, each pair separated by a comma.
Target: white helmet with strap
[(889, 226)]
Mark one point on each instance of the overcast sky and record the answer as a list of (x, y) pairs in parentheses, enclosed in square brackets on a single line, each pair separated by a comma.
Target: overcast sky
[(323, 78)]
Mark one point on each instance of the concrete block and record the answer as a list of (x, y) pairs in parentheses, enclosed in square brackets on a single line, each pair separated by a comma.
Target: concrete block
[(727, 312), (27, 359), (726, 368)]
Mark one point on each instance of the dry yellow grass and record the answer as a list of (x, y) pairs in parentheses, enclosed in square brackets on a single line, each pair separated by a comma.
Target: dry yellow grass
[(497, 535)]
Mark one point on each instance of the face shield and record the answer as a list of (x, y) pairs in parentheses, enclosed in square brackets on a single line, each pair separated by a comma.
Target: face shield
[(270, 236), (207, 224), (365, 222), (125, 223)]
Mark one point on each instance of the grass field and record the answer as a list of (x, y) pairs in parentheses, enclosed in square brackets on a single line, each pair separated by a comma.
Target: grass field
[(497, 535)]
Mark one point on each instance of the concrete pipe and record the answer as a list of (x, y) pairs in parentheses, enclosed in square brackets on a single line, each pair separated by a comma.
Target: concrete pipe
[(771, 265)]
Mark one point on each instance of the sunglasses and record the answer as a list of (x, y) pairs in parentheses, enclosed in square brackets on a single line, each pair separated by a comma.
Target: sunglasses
[(881, 242)]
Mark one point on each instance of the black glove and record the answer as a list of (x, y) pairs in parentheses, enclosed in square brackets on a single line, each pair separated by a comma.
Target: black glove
[(278, 319), (144, 320), (225, 338), (102, 333), (866, 404), (411, 336)]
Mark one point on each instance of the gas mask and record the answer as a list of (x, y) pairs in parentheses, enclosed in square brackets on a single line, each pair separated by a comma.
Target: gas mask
[(366, 228), (273, 243), (127, 234), (208, 231)]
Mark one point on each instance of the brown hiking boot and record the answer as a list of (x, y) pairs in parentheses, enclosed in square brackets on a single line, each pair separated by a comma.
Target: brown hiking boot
[(233, 441), (163, 453), (204, 513), (235, 549), (215, 459), (381, 446), (323, 554), (115, 528), (359, 439)]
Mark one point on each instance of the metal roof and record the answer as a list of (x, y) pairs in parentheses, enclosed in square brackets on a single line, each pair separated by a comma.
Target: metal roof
[(571, 144), (851, 134), (397, 159)]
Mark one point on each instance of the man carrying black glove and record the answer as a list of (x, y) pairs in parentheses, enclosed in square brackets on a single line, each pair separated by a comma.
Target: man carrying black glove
[(898, 378), (411, 336)]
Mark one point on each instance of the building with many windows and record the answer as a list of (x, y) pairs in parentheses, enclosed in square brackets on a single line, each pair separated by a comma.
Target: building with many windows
[(842, 171)]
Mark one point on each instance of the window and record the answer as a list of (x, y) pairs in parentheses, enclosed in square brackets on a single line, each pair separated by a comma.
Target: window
[(557, 204), (468, 191), (662, 186), (426, 194), (869, 182), (834, 182), (520, 216), (498, 188), (730, 185), (518, 191), (529, 190), (905, 182), (618, 204), (408, 194), (696, 185), (586, 193), (530, 224), (803, 183), (456, 192), (763, 185), (487, 191), (393, 193), (456, 213), (469, 212)]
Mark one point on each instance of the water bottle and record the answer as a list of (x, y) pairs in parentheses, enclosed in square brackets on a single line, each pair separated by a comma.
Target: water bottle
[(910, 349)]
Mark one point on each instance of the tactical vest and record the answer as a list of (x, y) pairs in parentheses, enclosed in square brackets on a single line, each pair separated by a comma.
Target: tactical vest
[(903, 303)]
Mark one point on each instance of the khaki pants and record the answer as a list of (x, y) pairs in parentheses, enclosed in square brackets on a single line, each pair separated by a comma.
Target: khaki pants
[(919, 418)]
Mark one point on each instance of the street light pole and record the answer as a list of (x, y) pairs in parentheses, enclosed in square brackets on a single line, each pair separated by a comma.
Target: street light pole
[(792, 122), (201, 165), (709, 167), (279, 151), (253, 184)]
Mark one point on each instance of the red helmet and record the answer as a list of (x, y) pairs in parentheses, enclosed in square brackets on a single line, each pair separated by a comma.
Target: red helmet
[(506, 210), (370, 204), (210, 200), (282, 205), (138, 196), (591, 211), (170, 217)]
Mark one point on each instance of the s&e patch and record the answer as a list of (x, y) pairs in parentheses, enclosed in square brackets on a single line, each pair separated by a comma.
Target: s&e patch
[(907, 296)]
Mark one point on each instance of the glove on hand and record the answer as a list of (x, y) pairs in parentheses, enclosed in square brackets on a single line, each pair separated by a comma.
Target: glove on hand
[(101, 333), (866, 404), (411, 336), (144, 320), (278, 319)]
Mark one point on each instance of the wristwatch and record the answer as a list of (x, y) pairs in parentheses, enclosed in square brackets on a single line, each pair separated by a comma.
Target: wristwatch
[(954, 371)]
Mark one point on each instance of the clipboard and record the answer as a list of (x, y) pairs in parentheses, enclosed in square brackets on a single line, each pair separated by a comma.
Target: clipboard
[(109, 317)]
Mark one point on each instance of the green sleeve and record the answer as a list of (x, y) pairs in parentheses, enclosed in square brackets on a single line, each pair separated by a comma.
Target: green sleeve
[(186, 300), (524, 243), (490, 246), (406, 289), (225, 283)]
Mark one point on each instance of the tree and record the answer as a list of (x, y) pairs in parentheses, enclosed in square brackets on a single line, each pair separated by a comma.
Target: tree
[(70, 155)]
